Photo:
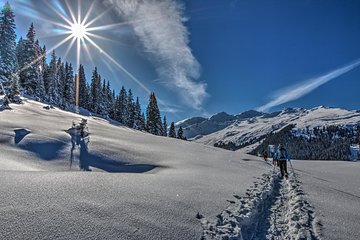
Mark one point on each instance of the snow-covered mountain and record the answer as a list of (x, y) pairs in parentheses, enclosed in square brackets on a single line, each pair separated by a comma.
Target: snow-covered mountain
[(197, 127), (250, 127)]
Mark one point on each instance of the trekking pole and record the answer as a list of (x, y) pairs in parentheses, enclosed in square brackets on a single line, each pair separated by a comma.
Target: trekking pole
[(293, 170)]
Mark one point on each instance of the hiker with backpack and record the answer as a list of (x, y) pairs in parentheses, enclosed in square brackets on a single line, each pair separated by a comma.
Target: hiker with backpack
[(283, 156), (264, 155)]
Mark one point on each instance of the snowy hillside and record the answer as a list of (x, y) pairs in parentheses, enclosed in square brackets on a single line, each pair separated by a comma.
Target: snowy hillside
[(142, 186), (246, 131)]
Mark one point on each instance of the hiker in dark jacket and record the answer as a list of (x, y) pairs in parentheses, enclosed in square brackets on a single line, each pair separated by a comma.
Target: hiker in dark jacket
[(265, 155), (283, 156)]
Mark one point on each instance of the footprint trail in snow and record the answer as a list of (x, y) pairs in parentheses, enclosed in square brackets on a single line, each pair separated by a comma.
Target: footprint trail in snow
[(272, 209)]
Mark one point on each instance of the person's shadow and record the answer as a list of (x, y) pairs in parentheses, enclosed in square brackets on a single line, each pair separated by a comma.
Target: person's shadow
[(82, 142), (84, 154)]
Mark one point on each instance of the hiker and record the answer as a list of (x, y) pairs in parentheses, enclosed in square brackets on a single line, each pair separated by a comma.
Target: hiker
[(275, 161), (283, 156), (265, 155)]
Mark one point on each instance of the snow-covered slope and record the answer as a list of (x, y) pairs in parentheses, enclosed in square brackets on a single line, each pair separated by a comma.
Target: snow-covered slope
[(242, 132), (41, 198), (161, 188), (333, 190)]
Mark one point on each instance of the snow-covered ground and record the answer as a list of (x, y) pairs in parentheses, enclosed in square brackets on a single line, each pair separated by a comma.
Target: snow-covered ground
[(42, 199), (159, 188), (333, 188)]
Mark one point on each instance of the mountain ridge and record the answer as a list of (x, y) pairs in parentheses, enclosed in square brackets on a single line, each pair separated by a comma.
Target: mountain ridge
[(257, 126)]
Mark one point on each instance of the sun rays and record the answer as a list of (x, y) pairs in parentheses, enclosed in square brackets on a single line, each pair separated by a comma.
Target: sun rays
[(79, 33)]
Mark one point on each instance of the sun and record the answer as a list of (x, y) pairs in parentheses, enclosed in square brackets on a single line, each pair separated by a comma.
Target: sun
[(78, 30)]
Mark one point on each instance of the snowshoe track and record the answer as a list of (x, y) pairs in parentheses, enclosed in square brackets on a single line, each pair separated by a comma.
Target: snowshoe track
[(272, 209)]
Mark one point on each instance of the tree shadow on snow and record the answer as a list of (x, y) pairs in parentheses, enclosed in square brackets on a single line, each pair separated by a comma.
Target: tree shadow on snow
[(112, 166), (20, 134), (88, 160), (48, 150), (2, 108)]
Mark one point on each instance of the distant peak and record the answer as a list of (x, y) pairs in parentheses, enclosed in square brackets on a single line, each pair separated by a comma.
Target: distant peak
[(320, 107), (290, 110), (189, 121), (222, 116), (249, 114)]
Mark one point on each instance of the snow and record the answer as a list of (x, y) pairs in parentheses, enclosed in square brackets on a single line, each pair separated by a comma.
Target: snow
[(43, 198), (272, 209), (333, 190), (148, 187)]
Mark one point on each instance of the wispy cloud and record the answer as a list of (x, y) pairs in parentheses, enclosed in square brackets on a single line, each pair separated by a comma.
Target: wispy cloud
[(297, 91), (159, 25)]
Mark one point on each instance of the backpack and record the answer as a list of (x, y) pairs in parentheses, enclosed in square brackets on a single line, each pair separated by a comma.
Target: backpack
[(283, 153)]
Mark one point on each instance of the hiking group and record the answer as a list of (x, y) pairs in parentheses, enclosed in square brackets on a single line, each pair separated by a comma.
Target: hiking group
[(280, 158)]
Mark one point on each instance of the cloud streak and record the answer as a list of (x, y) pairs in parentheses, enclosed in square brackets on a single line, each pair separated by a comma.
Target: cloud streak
[(159, 25), (299, 90)]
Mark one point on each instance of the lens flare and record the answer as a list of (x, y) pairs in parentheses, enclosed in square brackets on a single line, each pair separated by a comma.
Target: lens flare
[(78, 30)]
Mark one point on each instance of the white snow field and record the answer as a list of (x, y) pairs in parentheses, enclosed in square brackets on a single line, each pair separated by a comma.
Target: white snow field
[(333, 188), (148, 187)]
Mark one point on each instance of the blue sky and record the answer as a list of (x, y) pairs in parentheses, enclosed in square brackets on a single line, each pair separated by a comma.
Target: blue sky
[(206, 56)]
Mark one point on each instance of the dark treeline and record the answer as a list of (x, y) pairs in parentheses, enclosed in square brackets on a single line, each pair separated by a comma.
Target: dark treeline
[(320, 143), (25, 69)]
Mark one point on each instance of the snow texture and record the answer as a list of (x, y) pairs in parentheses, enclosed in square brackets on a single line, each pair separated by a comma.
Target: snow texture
[(272, 209)]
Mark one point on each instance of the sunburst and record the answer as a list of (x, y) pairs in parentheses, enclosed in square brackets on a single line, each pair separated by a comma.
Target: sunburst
[(79, 31), (82, 31)]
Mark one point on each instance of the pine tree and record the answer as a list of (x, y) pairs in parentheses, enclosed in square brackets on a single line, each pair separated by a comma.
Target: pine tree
[(100, 103), (60, 84), (45, 70), (95, 94), (68, 93), (142, 122), (116, 108), (130, 110), (121, 107), (164, 127), (53, 78), (30, 72), (112, 111), (40, 87), (180, 133), (103, 104), (83, 90), (8, 59), (153, 119), (109, 99), (172, 132), (139, 122), (20, 55), (14, 88)]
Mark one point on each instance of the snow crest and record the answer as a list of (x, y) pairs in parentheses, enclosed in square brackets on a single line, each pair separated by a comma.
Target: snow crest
[(272, 209)]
